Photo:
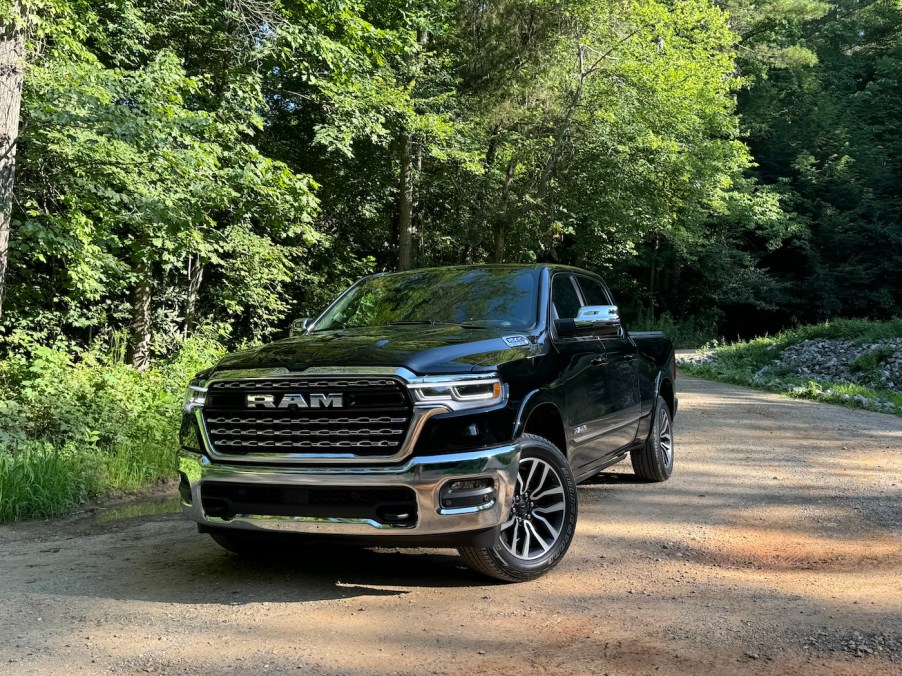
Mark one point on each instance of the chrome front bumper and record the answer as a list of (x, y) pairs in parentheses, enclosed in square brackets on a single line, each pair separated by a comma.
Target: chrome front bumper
[(425, 475)]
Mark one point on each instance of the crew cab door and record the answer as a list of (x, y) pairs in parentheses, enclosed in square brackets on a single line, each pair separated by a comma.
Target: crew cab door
[(622, 405), (582, 382)]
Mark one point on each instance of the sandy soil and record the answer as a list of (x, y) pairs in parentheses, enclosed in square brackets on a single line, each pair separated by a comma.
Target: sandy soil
[(775, 548)]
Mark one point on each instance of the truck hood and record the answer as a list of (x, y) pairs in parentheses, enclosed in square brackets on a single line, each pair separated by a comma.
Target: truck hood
[(423, 349)]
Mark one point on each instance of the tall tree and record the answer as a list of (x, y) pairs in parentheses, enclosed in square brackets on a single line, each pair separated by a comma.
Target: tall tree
[(139, 159), (12, 62), (826, 137)]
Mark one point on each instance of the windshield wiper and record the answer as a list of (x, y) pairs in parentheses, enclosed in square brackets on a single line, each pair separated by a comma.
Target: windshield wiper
[(414, 322), (432, 322)]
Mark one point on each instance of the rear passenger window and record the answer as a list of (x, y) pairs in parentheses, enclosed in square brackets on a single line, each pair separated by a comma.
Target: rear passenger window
[(593, 292), (564, 297)]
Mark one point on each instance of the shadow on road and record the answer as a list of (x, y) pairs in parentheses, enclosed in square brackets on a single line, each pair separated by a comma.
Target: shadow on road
[(163, 559), (616, 478)]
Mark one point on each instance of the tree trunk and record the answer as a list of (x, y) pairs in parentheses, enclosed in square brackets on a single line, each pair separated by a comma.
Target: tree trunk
[(406, 231), (418, 233), (492, 151), (409, 160), (140, 331), (195, 277), (500, 226), (12, 59), (651, 280)]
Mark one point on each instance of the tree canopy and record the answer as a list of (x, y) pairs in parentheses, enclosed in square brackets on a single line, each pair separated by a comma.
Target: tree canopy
[(225, 166)]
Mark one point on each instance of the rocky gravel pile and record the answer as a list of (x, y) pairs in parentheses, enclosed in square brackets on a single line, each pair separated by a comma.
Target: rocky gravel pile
[(877, 366), (874, 365), (817, 362)]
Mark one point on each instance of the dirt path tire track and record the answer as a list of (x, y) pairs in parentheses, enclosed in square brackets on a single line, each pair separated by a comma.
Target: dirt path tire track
[(776, 547)]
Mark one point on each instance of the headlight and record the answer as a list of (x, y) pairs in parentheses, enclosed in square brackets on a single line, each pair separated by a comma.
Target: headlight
[(194, 397), (459, 394)]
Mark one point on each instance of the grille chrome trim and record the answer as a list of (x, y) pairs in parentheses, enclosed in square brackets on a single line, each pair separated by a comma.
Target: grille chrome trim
[(326, 454), (363, 420), (271, 443), (238, 432), (282, 384)]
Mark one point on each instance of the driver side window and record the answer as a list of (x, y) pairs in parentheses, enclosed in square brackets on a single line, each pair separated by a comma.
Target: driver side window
[(565, 301)]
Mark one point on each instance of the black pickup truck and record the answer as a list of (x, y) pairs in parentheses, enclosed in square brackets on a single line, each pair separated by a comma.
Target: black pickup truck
[(455, 406)]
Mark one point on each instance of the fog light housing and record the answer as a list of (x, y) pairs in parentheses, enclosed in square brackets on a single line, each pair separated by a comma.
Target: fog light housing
[(462, 493), (184, 489)]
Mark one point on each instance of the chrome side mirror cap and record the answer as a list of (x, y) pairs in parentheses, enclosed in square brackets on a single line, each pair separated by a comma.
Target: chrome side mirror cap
[(598, 315), (597, 320), (299, 327)]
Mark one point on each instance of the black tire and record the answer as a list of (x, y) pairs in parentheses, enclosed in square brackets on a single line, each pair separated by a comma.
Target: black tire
[(654, 461), (554, 511)]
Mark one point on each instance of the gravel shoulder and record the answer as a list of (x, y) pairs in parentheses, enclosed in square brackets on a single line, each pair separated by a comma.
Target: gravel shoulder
[(776, 547)]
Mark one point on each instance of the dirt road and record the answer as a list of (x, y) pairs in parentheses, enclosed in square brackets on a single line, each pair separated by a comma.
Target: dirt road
[(775, 548)]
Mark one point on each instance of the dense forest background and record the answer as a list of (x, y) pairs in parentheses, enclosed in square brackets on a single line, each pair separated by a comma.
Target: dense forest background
[(214, 168)]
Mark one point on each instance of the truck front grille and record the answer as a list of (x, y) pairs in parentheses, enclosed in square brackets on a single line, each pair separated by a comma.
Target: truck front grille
[(259, 416)]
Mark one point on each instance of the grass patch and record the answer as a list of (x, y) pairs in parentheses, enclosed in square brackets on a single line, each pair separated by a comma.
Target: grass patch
[(872, 359), (40, 481), (738, 363), (79, 426)]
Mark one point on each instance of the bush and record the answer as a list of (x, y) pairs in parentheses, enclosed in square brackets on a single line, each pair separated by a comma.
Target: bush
[(873, 359), (684, 333), (77, 425)]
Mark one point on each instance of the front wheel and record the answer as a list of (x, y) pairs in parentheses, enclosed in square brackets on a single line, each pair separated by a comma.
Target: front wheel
[(542, 521)]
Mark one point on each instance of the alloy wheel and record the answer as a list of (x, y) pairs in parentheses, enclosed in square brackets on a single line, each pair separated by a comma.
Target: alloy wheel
[(665, 434), (537, 517)]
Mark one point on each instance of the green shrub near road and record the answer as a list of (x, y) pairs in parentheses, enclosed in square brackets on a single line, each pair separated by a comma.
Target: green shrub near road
[(873, 359), (74, 426), (742, 363), (684, 333)]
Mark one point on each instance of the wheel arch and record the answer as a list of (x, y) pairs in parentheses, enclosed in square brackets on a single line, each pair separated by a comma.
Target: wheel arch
[(666, 390), (543, 416)]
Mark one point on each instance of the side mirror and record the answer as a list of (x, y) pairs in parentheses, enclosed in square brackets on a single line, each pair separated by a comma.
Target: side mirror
[(595, 320), (299, 327)]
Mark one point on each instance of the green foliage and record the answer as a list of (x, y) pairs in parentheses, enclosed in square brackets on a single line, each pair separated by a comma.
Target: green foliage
[(79, 425), (130, 164), (685, 333), (262, 144), (40, 481), (872, 359), (849, 394), (834, 155), (772, 33)]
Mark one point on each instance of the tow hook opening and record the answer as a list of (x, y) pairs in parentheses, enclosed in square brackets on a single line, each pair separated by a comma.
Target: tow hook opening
[(462, 493), (396, 515)]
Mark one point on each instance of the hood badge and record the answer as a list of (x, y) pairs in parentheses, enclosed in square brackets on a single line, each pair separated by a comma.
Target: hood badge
[(296, 401), (516, 341)]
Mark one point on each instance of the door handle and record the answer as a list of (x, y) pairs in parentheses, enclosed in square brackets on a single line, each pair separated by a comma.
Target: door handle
[(599, 361), (631, 357)]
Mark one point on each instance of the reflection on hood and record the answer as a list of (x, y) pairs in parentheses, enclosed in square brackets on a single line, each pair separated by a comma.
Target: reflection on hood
[(422, 349)]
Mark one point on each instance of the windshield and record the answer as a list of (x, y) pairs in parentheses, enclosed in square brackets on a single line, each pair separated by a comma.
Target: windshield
[(504, 297)]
